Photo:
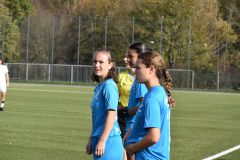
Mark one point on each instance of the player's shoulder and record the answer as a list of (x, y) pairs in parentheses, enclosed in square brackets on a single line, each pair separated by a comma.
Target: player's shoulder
[(157, 92), (110, 83), (3, 66), (110, 86)]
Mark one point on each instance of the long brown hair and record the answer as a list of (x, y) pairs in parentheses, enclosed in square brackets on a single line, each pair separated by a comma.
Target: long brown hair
[(112, 71), (2, 60), (154, 58)]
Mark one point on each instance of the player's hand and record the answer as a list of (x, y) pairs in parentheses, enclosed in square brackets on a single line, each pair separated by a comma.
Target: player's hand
[(120, 106), (129, 150), (89, 147), (100, 148), (123, 111), (7, 84)]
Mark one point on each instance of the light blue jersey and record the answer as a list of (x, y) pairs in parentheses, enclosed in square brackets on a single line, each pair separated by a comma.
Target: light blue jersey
[(154, 113), (137, 91), (105, 98)]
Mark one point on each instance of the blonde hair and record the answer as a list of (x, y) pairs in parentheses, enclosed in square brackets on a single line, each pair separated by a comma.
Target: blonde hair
[(154, 58)]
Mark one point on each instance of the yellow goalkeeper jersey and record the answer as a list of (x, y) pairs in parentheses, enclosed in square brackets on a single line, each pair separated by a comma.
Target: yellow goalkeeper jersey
[(125, 81)]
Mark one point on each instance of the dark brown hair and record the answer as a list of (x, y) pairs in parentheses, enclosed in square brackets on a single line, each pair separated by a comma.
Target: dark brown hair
[(139, 47), (2, 60), (112, 71), (153, 58)]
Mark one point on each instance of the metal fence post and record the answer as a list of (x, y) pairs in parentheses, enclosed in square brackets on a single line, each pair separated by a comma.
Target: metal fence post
[(3, 36), (27, 47), (49, 73), (118, 70), (189, 50), (71, 73), (106, 30), (79, 34), (193, 80), (53, 39), (53, 43), (218, 66), (133, 29), (79, 38), (93, 27), (161, 33)]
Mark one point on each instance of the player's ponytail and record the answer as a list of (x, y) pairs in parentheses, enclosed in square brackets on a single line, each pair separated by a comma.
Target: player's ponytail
[(153, 58), (168, 86)]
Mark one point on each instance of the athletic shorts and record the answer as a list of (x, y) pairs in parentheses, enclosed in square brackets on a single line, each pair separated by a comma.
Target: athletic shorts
[(122, 124), (113, 148), (3, 88)]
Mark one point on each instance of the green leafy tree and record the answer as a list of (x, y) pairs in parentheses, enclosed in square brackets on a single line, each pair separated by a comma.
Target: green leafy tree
[(19, 9), (181, 18), (230, 59), (93, 21), (10, 35)]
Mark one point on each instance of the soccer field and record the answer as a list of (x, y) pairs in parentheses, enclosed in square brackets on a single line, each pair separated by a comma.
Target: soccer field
[(53, 122)]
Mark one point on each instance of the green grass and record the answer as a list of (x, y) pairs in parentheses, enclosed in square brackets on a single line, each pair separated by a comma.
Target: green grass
[(204, 124), (53, 122)]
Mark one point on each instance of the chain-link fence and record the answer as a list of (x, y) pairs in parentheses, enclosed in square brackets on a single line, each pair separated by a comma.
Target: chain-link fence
[(51, 73), (62, 45), (82, 73)]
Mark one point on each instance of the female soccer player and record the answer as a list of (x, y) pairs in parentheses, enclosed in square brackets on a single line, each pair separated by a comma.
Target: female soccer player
[(150, 135), (138, 90), (105, 141), (125, 81), (4, 83)]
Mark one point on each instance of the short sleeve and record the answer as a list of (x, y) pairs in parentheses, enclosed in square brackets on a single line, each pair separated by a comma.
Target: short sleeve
[(152, 113), (110, 95), (6, 69)]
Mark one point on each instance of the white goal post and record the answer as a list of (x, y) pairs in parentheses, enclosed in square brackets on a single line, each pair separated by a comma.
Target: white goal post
[(182, 78)]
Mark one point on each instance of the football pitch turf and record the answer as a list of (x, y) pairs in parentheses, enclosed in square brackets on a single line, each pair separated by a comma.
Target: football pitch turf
[(53, 122)]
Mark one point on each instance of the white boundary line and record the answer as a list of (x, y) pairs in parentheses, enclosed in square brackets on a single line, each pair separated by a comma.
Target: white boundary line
[(56, 91), (52, 85), (223, 153), (207, 92)]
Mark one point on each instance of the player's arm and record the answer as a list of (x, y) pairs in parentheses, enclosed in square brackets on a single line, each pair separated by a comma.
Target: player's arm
[(89, 146), (111, 115), (127, 135), (133, 111), (130, 111), (148, 140), (7, 79)]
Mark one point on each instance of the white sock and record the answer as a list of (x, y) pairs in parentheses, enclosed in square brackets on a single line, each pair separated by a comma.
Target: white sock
[(2, 105)]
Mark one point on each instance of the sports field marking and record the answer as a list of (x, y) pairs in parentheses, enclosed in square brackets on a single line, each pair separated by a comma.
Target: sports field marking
[(41, 90), (52, 85), (223, 153), (207, 92)]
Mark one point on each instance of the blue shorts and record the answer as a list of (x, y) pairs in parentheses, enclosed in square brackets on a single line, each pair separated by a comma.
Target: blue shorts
[(113, 148)]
